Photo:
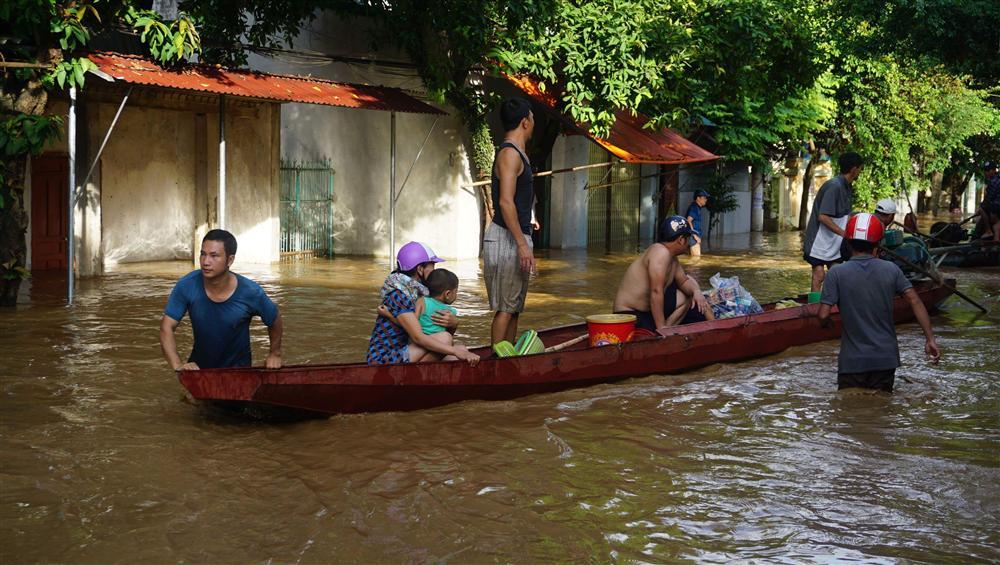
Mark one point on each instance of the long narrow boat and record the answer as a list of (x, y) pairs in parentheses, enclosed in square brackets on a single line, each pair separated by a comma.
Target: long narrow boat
[(320, 390), (971, 254)]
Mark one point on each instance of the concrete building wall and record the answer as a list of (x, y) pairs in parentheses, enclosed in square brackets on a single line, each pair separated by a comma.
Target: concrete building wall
[(569, 199), (648, 193), (433, 207), (147, 184)]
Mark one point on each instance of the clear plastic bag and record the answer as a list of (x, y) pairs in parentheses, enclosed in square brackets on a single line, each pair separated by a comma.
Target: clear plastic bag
[(729, 299)]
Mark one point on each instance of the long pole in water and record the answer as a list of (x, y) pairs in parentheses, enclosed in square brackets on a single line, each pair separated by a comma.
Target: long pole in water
[(222, 162), (934, 277), (392, 187), (71, 201)]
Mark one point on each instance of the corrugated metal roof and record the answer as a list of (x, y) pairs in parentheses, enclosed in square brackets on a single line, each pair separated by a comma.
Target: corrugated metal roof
[(629, 139), (261, 86)]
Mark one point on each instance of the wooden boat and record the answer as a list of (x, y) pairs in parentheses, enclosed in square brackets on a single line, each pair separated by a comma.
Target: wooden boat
[(320, 390), (971, 254)]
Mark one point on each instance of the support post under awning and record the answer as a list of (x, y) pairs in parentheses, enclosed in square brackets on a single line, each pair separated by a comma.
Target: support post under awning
[(392, 187), (222, 162), (71, 200)]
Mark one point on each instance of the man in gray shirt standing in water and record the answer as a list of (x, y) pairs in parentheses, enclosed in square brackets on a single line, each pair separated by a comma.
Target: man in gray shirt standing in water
[(831, 208), (864, 289)]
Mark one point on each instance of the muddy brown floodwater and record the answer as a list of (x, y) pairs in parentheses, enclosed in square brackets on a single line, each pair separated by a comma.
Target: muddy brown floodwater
[(102, 460)]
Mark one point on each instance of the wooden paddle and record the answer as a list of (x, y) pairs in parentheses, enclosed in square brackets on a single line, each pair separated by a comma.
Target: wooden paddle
[(566, 344), (936, 277)]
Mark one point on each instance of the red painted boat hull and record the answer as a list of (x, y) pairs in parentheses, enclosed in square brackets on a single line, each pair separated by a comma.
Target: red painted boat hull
[(354, 388)]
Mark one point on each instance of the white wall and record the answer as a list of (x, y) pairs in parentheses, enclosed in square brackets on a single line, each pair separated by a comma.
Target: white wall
[(433, 206), (147, 178), (647, 202), (147, 182), (569, 199)]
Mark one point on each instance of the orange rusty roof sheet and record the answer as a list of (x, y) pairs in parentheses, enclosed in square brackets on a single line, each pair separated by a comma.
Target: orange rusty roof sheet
[(261, 86), (629, 139)]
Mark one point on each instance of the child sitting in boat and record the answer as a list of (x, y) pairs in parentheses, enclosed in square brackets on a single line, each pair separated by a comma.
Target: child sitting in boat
[(397, 336), (442, 287), (442, 290)]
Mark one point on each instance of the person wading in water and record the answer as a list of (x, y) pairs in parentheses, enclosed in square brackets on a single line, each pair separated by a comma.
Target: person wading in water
[(863, 289), (221, 304)]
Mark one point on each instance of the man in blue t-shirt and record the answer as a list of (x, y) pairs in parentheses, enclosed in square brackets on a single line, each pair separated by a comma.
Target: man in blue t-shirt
[(864, 289), (694, 218), (221, 304)]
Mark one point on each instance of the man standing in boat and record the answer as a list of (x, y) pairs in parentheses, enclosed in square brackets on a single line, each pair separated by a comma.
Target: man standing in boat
[(655, 287), (831, 208), (508, 258), (863, 289), (221, 304)]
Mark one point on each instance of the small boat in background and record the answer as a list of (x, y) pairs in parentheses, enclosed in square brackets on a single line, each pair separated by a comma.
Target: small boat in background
[(971, 254), (323, 390)]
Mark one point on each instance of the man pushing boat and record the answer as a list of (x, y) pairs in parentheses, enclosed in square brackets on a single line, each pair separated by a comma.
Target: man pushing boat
[(221, 305), (655, 287)]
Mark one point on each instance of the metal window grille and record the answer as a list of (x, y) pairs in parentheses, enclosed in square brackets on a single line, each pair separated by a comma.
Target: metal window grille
[(612, 209), (306, 208)]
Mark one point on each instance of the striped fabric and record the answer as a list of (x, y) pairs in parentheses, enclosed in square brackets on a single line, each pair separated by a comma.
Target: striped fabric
[(506, 283)]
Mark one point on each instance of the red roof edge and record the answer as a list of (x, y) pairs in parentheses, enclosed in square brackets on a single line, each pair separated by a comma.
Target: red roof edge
[(629, 139), (134, 69)]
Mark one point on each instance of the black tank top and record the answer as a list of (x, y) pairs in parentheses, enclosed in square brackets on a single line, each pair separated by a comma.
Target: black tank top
[(524, 192)]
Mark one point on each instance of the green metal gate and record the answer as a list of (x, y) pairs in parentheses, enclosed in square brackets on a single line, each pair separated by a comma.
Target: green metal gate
[(306, 208), (612, 207)]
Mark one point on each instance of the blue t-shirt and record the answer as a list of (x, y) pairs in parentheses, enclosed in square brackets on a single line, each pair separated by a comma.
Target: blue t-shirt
[(388, 341), (221, 329), (694, 212), (864, 289)]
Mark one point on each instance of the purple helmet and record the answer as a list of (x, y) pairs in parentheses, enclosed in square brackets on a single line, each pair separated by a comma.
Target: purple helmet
[(415, 253)]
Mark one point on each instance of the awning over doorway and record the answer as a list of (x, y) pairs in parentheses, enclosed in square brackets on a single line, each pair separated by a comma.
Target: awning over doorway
[(133, 69), (629, 139)]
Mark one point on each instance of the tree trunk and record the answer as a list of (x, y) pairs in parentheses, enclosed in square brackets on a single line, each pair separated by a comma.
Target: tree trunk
[(957, 187), (807, 181), (31, 99), (936, 182)]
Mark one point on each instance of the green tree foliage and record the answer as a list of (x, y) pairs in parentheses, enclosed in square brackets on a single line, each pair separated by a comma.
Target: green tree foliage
[(961, 34), (46, 41)]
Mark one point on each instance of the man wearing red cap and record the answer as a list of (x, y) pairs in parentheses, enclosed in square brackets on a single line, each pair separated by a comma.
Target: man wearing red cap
[(864, 288)]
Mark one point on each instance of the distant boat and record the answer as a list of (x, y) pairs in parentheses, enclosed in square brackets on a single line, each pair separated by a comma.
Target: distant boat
[(323, 390), (971, 254)]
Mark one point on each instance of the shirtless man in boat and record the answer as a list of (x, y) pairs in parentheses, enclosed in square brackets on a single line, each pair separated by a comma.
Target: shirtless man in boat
[(655, 287), (221, 305)]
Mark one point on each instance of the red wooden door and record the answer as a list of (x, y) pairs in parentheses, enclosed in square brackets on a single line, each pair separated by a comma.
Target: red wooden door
[(49, 223)]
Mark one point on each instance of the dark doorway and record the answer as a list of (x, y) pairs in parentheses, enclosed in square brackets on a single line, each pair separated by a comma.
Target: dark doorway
[(49, 223)]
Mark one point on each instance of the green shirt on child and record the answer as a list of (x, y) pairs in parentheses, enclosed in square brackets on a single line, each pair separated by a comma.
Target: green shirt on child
[(430, 307)]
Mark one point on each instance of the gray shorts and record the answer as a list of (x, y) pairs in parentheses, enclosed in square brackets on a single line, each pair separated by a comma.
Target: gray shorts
[(506, 283)]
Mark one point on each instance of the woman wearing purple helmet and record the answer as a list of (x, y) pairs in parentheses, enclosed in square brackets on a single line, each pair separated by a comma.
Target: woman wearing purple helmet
[(404, 341)]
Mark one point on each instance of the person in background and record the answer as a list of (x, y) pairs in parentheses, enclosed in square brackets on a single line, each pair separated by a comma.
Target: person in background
[(863, 289), (988, 225), (830, 211), (221, 304), (694, 219), (885, 211)]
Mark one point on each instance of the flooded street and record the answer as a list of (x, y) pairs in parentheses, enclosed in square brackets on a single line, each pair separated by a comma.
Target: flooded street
[(103, 461)]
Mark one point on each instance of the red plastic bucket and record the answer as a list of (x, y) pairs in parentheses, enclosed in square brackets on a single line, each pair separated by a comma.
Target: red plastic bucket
[(609, 329)]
